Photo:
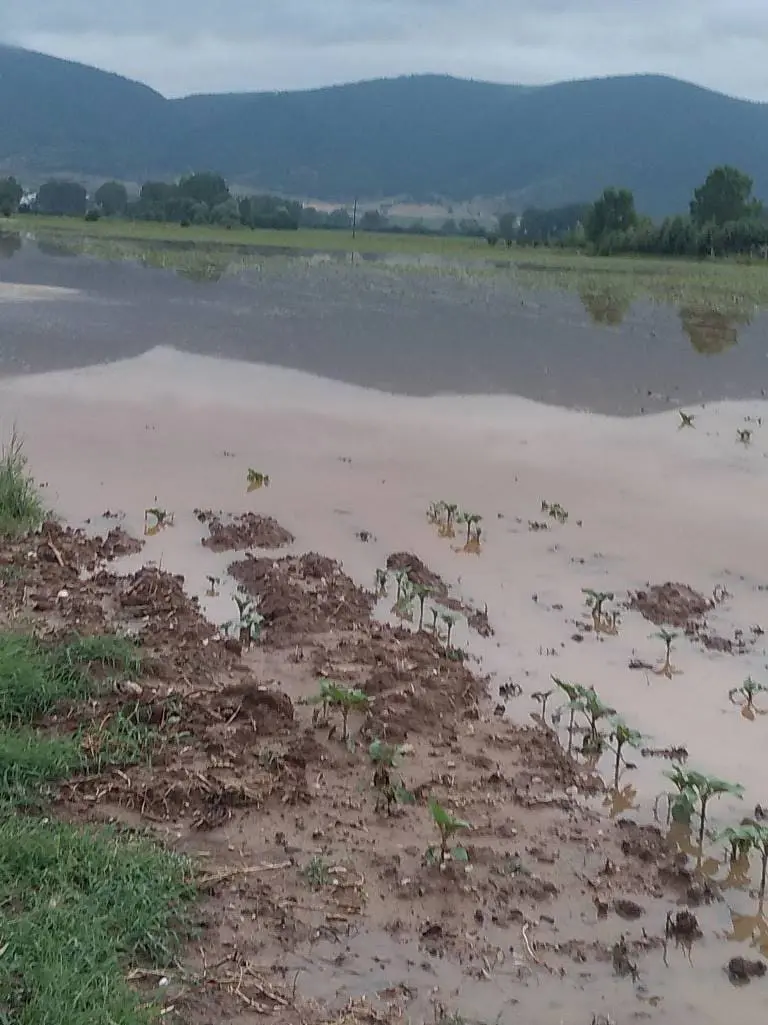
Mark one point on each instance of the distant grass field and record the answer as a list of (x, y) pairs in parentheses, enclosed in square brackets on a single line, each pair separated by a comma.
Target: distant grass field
[(208, 253)]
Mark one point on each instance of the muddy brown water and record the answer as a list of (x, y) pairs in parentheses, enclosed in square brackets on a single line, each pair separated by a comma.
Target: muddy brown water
[(409, 325), (647, 502)]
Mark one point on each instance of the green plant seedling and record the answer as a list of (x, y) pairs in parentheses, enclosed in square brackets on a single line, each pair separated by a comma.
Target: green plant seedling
[(623, 736), (686, 419), (250, 621), (668, 637), (381, 583), (436, 512), (472, 521), (405, 595), (323, 699), (450, 619), (451, 511), (213, 586), (745, 697), (555, 511), (421, 593), (594, 710), (595, 601), (447, 825), (317, 873), (744, 435), (746, 838), (576, 695), (346, 699), (155, 519), (435, 611), (695, 791), (542, 696), (386, 757), (257, 480)]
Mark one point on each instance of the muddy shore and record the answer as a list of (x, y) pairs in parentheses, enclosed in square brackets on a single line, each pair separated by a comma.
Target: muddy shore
[(317, 897)]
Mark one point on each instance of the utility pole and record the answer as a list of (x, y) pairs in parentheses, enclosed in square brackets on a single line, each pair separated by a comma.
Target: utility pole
[(354, 220)]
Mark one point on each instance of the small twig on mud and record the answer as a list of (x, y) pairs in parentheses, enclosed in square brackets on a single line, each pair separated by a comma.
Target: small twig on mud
[(219, 877), (56, 552), (529, 948)]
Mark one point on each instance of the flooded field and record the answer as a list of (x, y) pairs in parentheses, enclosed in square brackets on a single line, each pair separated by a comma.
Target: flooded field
[(156, 404), (619, 343)]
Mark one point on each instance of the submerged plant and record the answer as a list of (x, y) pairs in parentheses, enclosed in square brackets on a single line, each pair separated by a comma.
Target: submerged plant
[(472, 521), (695, 791), (745, 697), (435, 512), (623, 736), (668, 637), (748, 837), (555, 511), (744, 435), (594, 710), (575, 694), (686, 419), (257, 480), (595, 601), (447, 825)]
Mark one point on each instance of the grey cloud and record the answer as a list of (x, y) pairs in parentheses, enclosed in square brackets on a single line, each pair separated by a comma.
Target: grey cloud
[(180, 46)]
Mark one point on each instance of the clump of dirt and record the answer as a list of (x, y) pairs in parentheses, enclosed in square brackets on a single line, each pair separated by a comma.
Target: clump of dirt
[(302, 596), (240, 532), (671, 605), (419, 573)]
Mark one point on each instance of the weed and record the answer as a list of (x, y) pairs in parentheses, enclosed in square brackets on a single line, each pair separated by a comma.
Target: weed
[(21, 508), (623, 736), (447, 826), (745, 838), (79, 907), (257, 480), (745, 697), (694, 792), (317, 872)]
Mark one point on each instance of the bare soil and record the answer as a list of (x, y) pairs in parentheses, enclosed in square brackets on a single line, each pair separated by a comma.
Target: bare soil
[(296, 846), (419, 573), (237, 533)]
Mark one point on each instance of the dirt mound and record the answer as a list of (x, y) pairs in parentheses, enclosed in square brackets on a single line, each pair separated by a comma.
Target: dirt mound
[(671, 605), (240, 532), (299, 597), (419, 573)]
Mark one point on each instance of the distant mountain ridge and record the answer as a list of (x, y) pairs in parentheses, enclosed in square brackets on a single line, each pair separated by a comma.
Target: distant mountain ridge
[(424, 137)]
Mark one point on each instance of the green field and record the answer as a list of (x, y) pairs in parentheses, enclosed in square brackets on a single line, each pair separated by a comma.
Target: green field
[(208, 253)]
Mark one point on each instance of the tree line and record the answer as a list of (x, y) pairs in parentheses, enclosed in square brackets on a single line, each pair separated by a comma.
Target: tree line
[(724, 218)]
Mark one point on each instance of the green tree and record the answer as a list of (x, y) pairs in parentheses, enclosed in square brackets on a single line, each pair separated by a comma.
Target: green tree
[(65, 198), (112, 198), (204, 187), (373, 220), (725, 196), (10, 196), (613, 212)]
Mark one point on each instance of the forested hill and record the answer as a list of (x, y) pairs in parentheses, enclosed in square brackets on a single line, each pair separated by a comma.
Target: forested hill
[(423, 137)]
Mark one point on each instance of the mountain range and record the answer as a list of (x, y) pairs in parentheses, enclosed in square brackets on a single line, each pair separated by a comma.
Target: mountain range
[(425, 137)]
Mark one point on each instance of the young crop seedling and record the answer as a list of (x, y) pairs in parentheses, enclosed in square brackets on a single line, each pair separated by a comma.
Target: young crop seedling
[(695, 791), (436, 512), (745, 697), (555, 511), (386, 757), (346, 699), (251, 622), (744, 435), (474, 530), (447, 521), (594, 710), (576, 695), (213, 587), (381, 583), (257, 480), (155, 519), (746, 838), (421, 593), (686, 419), (542, 696), (667, 669), (447, 825), (623, 736), (450, 619), (595, 601), (435, 611), (405, 594)]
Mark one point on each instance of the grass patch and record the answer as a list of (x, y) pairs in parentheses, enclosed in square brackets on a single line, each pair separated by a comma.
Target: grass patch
[(21, 508), (77, 908)]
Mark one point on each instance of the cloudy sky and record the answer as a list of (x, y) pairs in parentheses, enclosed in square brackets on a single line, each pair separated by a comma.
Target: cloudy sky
[(181, 46)]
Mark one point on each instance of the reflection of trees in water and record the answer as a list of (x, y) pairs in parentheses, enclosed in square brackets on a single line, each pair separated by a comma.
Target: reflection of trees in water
[(10, 243), (711, 329), (57, 247), (605, 307)]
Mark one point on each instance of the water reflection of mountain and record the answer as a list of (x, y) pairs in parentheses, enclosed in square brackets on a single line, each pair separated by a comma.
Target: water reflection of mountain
[(10, 243), (605, 307), (712, 330)]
